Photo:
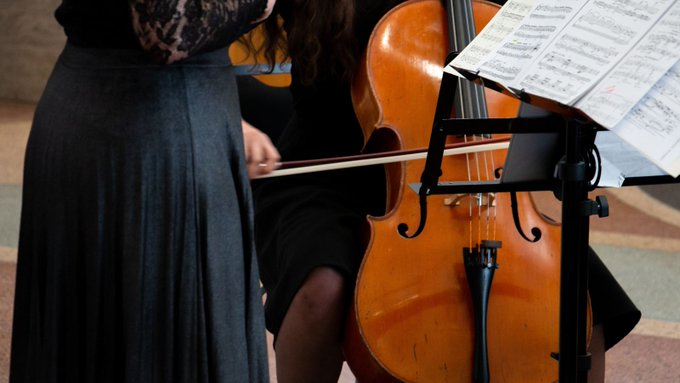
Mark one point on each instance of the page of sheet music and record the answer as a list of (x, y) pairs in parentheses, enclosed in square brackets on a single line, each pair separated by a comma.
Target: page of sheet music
[(504, 22), (653, 125), (612, 98), (589, 46), (512, 58), (621, 161)]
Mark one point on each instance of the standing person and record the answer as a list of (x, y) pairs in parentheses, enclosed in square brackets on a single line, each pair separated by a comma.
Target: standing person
[(136, 259), (309, 227)]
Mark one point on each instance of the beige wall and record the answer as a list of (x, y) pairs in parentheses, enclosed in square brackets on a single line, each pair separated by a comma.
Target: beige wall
[(30, 41)]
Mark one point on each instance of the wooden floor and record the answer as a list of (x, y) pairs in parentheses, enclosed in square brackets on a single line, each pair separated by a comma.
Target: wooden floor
[(639, 242)]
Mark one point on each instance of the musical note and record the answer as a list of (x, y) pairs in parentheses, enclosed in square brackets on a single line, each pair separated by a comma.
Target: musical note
[(653, 125), (526, 42), (597, 37), (487, 41), (637, 72)]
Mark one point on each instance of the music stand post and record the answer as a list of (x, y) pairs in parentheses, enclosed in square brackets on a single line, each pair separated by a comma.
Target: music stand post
[(574, 360)]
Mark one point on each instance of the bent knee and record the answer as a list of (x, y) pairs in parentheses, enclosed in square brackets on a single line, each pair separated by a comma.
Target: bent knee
[(324, 292)]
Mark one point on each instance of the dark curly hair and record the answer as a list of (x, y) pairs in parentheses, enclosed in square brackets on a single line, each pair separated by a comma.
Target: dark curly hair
[(316, 33)]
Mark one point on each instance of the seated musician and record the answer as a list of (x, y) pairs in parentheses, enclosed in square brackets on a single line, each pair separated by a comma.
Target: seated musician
[(308, 227)]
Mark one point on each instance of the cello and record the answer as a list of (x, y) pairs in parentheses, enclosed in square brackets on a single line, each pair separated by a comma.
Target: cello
[(413, 318)]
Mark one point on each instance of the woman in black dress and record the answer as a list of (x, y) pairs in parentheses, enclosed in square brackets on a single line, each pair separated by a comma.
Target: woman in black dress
[(309, 227), (136, 257)]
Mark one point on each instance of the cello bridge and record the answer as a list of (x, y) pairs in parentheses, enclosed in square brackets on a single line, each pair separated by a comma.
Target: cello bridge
[(481, 199)]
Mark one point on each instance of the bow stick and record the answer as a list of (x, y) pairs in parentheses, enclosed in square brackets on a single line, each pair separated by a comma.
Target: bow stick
[(310, 166)]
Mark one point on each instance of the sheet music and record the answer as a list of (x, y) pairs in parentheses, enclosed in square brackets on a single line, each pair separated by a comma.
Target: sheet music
[(508, 17), (618, 61), (635, 75), (621, 161), (589, 46), (653, 125), (513, 56)]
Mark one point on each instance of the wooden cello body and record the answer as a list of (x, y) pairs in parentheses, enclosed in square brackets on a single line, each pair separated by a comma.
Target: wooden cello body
[(412, 306)]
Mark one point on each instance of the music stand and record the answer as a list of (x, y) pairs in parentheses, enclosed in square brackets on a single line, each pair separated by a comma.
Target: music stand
[(569, 178)]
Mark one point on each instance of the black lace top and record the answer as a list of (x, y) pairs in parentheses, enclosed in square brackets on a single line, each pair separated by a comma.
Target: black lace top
[(170, 29)]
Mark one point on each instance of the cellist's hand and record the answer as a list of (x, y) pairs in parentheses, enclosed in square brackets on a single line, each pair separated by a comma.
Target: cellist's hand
[(261, 154)]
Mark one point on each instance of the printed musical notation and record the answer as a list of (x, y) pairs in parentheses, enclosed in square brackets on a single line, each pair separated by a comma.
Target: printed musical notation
[(509, 60), (593, 40), (509, 16), (653, 124), (637, 72), (617, 61)]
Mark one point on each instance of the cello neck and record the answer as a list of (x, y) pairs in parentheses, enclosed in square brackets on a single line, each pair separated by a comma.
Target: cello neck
[(469, 101)]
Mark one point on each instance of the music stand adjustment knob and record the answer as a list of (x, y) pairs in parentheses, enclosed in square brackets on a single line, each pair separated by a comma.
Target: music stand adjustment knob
[(600, 207)]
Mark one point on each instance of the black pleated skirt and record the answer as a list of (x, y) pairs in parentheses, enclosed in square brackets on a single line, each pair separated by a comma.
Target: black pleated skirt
[(136, 257)]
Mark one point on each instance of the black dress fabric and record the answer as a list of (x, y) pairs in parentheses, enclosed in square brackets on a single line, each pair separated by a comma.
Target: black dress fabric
[(136, 253), (308, 221)]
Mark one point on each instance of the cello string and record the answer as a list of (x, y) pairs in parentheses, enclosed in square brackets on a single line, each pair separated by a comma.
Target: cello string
[(492, 204), (462, 93), (486, 175), (475, 108), (480, 197), (469, 175), (479, 95)]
